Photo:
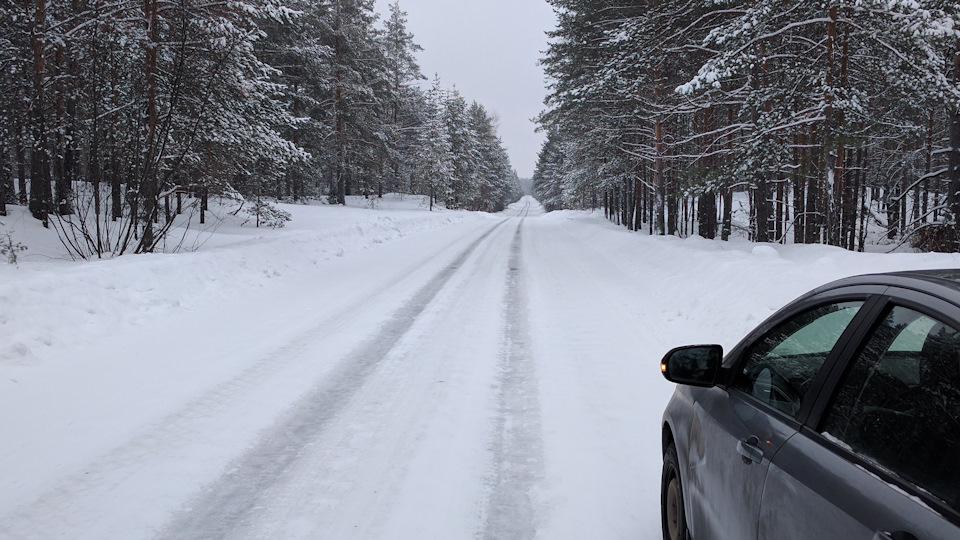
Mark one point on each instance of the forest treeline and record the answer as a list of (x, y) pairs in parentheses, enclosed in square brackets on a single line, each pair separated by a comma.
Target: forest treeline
[(829, 121), (116, 114)]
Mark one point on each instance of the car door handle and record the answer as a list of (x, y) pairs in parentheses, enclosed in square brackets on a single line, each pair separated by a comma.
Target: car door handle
[(750, 450), (897, 535)]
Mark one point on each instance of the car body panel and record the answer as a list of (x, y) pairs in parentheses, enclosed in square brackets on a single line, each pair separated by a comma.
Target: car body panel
[(725, 483), (813, 491), (807, 485)]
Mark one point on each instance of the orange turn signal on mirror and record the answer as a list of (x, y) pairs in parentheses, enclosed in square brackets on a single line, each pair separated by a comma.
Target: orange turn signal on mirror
[(663, 368)]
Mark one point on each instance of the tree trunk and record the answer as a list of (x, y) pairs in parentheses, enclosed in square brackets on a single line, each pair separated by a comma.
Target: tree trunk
[(855, 206), (6, 186), (94, 174), (672, 208), (40, 194), (761, 203), (929, 159), (204, 199), (851, 188), (829, 151), (893, 212), (799, 189), (814, 228), (116, 195), (21, 172), (659, 181), (953, 174), (148, 180), (67, 103), (779, 209), (707, 215), (727, 215), (115, 167), (864, 209), (341, 180)]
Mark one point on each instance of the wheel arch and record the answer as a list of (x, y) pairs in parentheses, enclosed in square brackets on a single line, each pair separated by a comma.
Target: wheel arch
[(666, 437)]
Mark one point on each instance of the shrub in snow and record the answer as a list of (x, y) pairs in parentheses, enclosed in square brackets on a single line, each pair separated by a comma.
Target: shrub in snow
[(9, 249), (268, 215), (934, 237)]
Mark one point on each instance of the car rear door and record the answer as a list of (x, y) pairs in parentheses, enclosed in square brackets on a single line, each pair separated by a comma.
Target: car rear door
[(739, 428), (877, 457)]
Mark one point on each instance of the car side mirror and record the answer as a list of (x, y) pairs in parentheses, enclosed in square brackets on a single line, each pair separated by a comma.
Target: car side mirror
[(696, 365)]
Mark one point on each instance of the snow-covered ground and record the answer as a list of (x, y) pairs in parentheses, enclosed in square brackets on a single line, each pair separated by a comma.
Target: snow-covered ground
[(367, 373)]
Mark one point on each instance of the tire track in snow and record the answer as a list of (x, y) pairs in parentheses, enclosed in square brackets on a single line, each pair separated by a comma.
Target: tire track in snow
[(229, 505), (409, 456), (518, 443)]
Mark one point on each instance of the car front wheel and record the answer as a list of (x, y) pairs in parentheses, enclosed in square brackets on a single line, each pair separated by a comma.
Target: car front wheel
[(672, 516)]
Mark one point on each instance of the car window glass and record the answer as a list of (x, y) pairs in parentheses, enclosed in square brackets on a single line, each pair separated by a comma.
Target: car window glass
[(898, 405), (780, 366), (913, 335)]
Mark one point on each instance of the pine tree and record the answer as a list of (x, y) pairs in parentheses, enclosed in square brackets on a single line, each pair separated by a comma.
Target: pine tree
[(403, 72), (436, 155), (358, 83)]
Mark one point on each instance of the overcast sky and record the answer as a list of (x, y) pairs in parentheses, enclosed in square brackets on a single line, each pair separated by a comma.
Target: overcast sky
[(488, 50)]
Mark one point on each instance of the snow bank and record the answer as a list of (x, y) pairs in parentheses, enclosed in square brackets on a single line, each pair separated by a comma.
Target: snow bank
[(49, 302), (715, 292)]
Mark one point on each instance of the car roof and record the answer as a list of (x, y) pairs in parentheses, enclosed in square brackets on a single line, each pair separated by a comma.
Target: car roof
[(944, 283)]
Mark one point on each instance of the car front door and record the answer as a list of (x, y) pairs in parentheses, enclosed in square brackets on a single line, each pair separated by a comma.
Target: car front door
[(880, 462), (737, 429)]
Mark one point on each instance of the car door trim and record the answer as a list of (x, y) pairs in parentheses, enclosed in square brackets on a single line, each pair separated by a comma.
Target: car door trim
[(833, 369)]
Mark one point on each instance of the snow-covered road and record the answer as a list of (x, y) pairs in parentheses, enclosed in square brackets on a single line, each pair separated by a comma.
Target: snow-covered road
[(394, 440), (477, 377)]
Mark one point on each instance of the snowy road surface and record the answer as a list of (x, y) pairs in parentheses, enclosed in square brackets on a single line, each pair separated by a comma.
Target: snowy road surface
[(488, 377)]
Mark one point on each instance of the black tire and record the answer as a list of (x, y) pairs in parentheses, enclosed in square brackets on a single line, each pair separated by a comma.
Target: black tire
[(672, 513)]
